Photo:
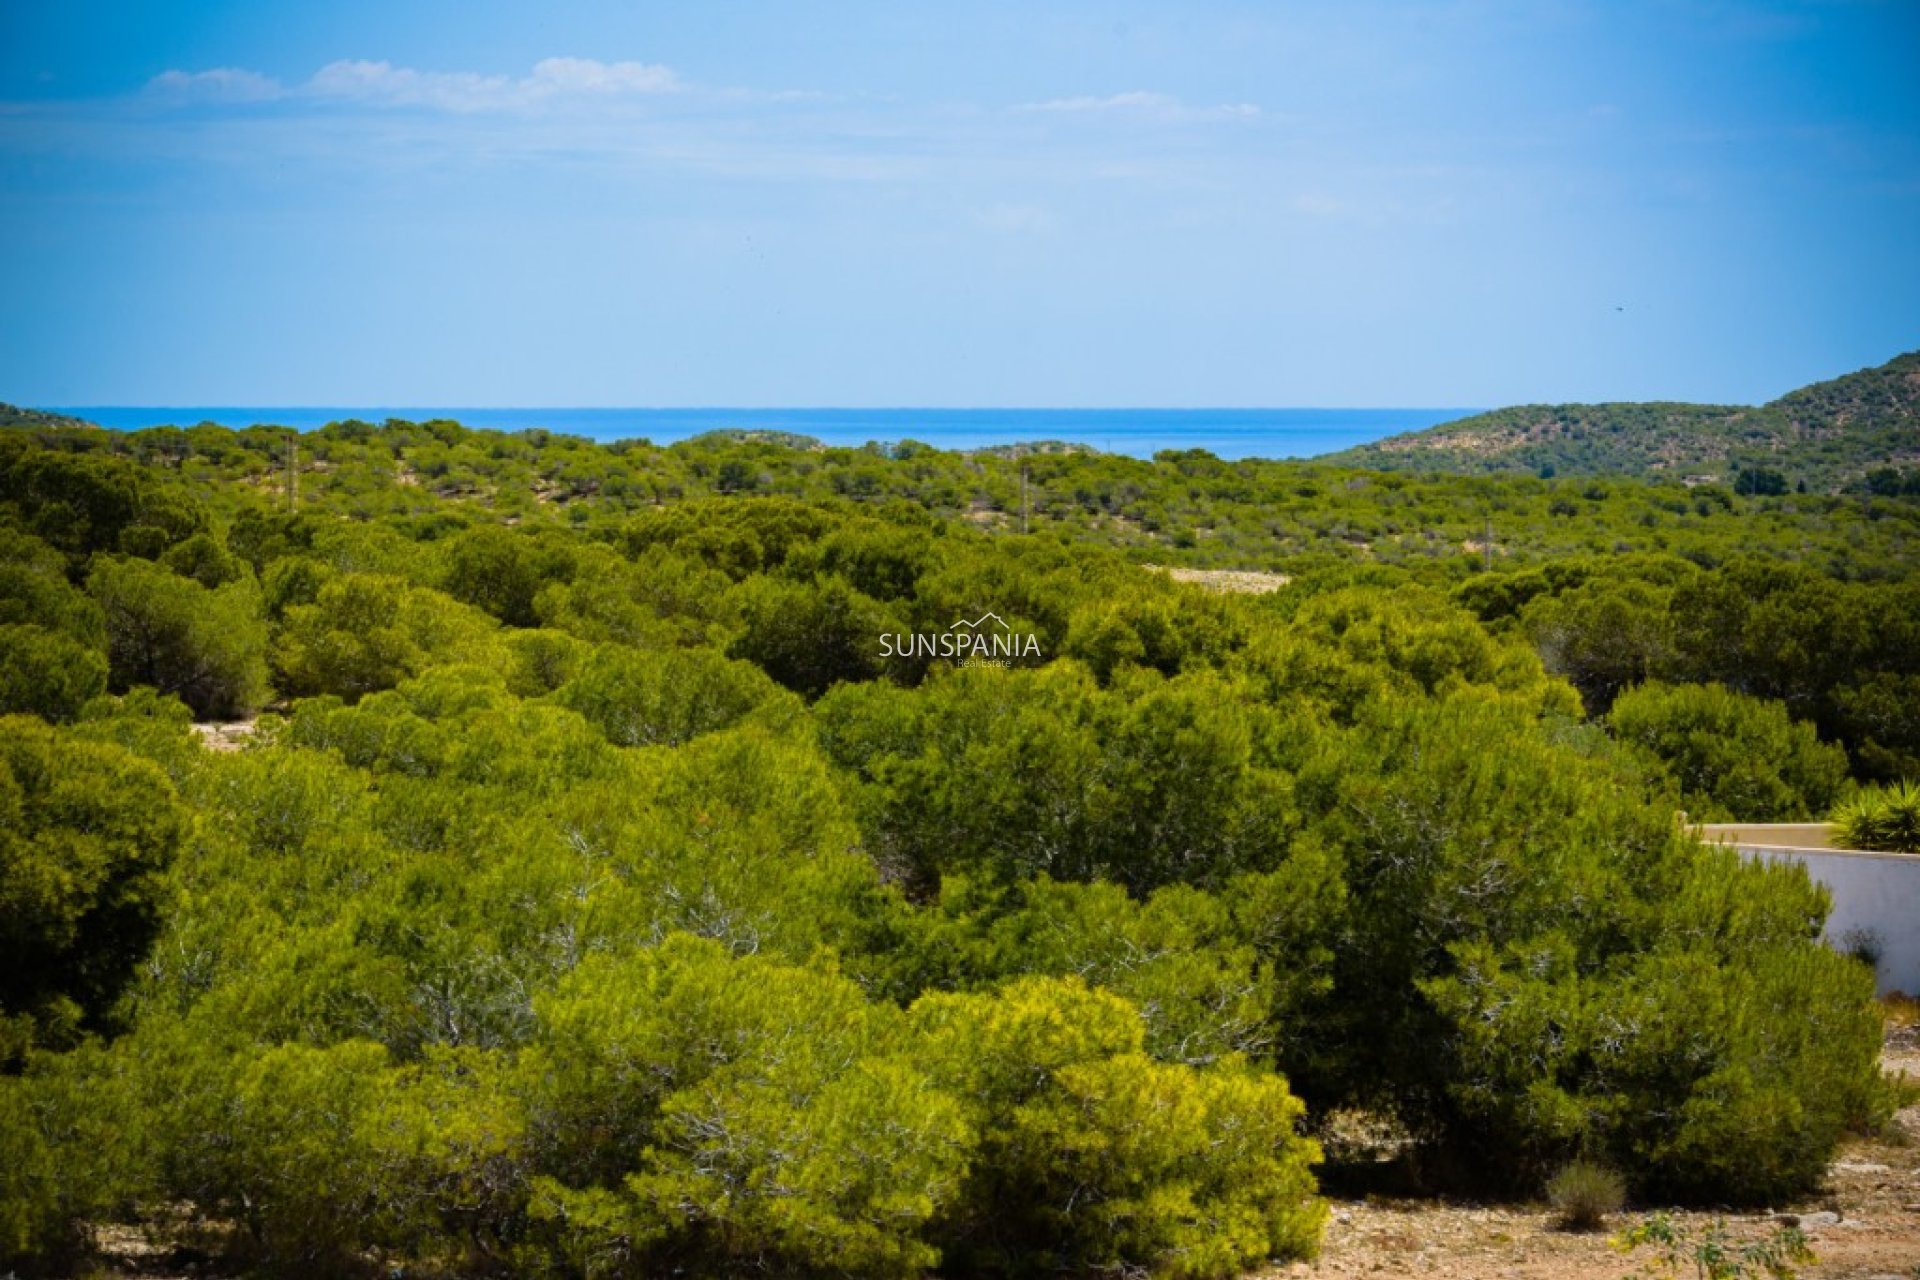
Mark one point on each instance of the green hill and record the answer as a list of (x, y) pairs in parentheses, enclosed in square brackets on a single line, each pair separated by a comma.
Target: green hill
[(12, 415), (1829, 436)]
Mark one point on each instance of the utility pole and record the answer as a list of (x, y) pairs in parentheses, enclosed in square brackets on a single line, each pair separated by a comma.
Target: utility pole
[(1023, 499), (1486, 547), (293, 473)]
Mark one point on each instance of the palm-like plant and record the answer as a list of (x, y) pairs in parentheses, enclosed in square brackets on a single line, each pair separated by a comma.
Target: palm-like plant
[(1881, 818)]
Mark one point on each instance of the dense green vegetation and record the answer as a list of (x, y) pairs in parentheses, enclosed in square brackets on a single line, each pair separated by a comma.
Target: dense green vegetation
[(1857, 433), (595, 895)]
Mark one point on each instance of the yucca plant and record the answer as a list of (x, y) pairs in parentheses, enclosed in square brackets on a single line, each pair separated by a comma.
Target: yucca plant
[(1881, 818)]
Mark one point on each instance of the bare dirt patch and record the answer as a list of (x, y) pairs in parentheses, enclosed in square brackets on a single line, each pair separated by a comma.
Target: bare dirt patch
[(1239, 581), (231, 735)]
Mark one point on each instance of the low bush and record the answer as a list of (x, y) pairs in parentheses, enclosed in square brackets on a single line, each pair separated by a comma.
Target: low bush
[(1583, 1194)]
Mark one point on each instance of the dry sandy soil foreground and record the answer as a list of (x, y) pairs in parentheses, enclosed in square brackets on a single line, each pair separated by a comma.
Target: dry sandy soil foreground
[(1865, 1226)]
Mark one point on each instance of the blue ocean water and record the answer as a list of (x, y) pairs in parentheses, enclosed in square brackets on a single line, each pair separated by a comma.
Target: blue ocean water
[(1228, 433)]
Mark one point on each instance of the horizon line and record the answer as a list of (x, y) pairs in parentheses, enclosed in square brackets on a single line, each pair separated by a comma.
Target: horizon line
[(808, 408)]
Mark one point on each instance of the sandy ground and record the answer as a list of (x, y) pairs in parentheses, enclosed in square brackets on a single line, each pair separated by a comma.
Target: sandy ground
[(227, 736), (1240, 581), (1874, 1189)]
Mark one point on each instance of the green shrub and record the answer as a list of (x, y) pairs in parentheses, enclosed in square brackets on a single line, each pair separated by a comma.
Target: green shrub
[(691, 1108), (1754, 1046), (657, 599), (1093, 1157), (206, 646), (86, 833), (34, 1224), (44, 673), (1536, 905), (205, 559), (1604, 635), (149, 725), (1883, 818), (1583, 1194), (317, 1153), (86, 503), (365, 633), (1733, 758), (665, 697), (1879, 718), (67, 1159), (1010, 774), (810, 636), (1212, 974), (1431, 644), (1166, 630), (735, 1114), (34, 591), (1714, 1253), (542, 660), (494, 569)]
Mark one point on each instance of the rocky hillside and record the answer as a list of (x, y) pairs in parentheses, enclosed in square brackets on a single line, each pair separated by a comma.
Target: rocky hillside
[(12, 415), (1829, 436)]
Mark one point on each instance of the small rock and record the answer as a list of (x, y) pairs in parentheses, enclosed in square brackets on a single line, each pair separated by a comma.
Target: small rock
[(1811, 1221)]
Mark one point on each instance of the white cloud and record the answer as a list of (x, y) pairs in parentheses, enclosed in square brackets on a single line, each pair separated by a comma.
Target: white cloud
[(1163, 106), (221, 84), (629, 116), (382, 84), (588, 75), (1017, 219), (1137, 100)]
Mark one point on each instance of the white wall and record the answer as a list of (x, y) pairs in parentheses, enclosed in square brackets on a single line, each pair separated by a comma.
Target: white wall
[(1877, 894)]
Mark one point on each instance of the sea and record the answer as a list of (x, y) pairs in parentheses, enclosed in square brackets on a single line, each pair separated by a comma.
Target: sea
[(1226, 433)]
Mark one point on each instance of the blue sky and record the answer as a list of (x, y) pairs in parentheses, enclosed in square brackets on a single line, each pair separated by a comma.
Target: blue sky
[(375, 202)]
